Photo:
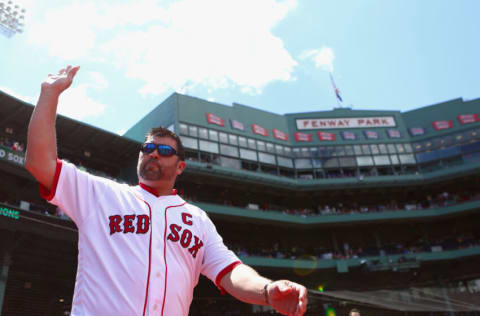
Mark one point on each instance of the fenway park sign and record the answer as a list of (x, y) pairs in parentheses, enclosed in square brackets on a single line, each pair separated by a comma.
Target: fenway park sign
[(346, 122)]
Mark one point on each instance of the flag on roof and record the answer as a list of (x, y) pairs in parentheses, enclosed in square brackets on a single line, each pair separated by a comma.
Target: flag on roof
[(337, 92)]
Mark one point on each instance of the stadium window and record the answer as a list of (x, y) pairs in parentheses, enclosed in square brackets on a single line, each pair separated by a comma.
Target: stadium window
[(330, 162), (279, 149), (209, 158), (339, 150), (400, 148), (418, 147), (349, 151), (251, 143), (232, 139), (242, 141), (305, 175), (394, 160), (203, 133), (467, 136), (407, 159), (408, 148), (270, 147), (261, 145), (286, 172), (436, 142), (448, 141), (364, 161), (223, 137), (230, 163), (459, 137), (427, 145), (314, 152), (229, 150), (285, 162), (381, 160), (303, 163), (296, 152), (358, 150), (183, 129), (305, 152), (213, 135), (288, 151), (268, 169), (246, 165), (476, 133), (266, 158), (189, 142), (382, 148), (248, 154), (317, 162), (366, 149), (193, 131), (391, 148), (347, 162), (374, 149), (207, 146)]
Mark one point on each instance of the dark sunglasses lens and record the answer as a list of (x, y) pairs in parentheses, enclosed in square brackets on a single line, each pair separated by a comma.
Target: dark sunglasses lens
[(166, 150), (148, 148)]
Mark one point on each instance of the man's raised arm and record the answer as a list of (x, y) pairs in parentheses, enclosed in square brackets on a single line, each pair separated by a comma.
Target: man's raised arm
[(41, 153)]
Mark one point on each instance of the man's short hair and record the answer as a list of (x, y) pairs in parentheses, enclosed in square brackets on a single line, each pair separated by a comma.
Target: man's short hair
[(352, 311), (163, 132)]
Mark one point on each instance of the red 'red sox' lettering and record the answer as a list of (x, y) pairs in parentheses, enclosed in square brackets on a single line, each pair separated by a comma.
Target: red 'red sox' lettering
[(185, 236), (126, 224)]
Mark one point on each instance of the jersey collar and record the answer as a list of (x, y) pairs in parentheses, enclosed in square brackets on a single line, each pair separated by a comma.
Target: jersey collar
[(153, 191)]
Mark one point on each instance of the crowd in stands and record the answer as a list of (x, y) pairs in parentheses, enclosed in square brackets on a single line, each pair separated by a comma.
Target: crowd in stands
[(423, 244), (429, 202), (12, 144)]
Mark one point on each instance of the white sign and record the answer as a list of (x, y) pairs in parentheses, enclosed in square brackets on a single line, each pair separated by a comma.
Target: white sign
[(346, 122)]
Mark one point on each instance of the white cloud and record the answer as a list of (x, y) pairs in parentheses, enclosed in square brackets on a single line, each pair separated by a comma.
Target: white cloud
[(215, 43), (75, 103), (25, 98), (323, 58), (97, 80)]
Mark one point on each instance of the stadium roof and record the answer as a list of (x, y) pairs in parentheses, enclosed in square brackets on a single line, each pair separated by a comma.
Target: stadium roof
[(338, 126), (75, 137)]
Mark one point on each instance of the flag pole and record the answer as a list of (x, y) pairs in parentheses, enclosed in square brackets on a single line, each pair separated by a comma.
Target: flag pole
[(337, 92)]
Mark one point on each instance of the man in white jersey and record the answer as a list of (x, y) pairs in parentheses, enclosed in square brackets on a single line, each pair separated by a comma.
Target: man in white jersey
[(141, 249)]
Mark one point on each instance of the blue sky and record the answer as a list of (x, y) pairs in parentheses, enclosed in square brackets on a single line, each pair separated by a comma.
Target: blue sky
[(273, 55)]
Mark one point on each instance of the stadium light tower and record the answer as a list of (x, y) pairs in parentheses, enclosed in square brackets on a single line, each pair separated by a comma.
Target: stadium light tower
[(11, 18)]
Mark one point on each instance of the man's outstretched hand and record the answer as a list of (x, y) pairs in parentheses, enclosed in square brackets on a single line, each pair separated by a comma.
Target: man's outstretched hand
[(58, 83), (287, 298)]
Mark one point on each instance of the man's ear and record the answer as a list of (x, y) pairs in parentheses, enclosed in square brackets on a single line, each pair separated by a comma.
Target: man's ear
[(180, 167)]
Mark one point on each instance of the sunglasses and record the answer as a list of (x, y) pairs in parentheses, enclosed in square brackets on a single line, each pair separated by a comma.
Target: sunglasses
[(163, 150)]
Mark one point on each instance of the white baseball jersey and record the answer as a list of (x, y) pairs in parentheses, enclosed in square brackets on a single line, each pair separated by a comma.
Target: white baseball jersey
[(138, 253)]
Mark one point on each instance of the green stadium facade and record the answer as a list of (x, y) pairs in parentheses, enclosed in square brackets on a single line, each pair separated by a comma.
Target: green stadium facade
[(342, 201)]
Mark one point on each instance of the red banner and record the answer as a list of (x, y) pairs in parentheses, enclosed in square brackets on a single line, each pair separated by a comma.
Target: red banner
[(213, 119), (349, 136), (302, 137), (370, 134), (257, 129), (326, 136), (237, 125), (439, 125), (394, 133), (468, 118), (280, 135)]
